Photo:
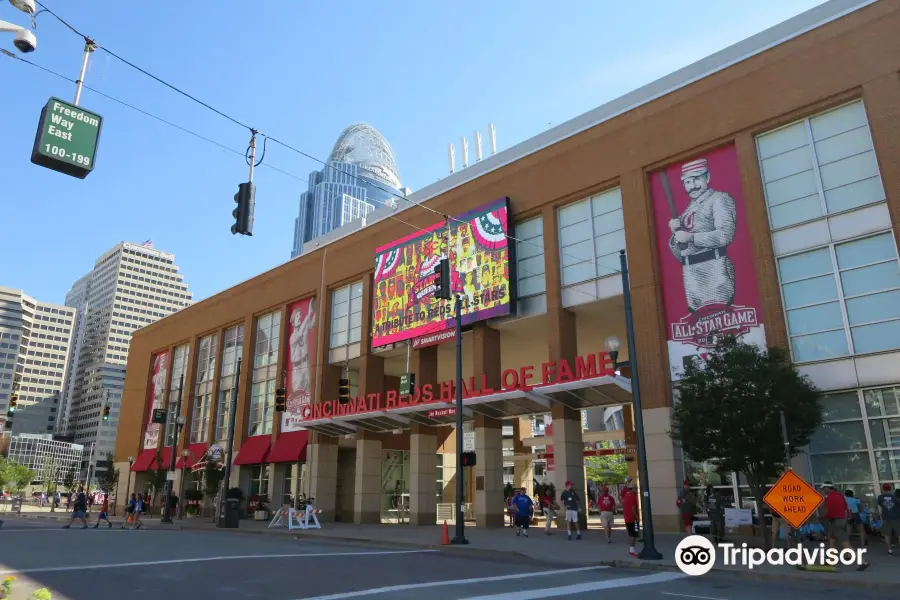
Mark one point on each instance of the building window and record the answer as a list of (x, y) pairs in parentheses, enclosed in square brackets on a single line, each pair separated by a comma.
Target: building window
[(843, 299), (530, 279), (232, 350), (591, 234), (346, 315), (265, 374), (179, 365), (819, 166), (206, 362)]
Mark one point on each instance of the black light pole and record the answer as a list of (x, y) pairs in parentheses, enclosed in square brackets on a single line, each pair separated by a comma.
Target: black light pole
[(649, 551), (230, 449), (127, 485), (167, 511), (185, 454), (460, 537)]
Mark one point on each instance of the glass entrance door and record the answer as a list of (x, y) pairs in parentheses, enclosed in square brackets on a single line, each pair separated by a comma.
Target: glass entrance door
[(395, 486)]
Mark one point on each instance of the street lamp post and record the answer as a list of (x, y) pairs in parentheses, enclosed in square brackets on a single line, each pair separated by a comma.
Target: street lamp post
[(179, 421), (128, 484), (649, 551), (185, 454)]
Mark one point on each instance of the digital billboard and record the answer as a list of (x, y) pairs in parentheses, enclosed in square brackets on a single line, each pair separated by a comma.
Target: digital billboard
[(301, 352), (403, 304)]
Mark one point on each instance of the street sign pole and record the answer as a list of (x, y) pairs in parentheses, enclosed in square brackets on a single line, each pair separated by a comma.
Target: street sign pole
[(460, 537)]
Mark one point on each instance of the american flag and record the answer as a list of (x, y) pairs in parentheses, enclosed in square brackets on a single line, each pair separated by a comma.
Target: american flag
[(147, 244)]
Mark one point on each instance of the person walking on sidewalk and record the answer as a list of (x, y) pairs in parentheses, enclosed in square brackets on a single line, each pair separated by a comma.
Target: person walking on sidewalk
[(889, 504), (836, 512), (549, 508), (129, 512), (570, 500), (855, 520), (715, 510), (523, 506), (79, 509), (104, 513), (630, 510), (687, 505), (606, 504), (138, 509)]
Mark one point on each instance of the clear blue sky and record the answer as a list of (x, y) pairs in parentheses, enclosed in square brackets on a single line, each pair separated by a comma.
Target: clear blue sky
[(422, 73)]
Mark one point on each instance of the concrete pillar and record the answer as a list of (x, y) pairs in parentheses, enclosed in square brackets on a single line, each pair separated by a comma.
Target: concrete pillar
[(568, 452), (323, 468), (523, 467), (449, 476), (367, 496), (630, 439), (489, 507), (423, 476), (664, 468)]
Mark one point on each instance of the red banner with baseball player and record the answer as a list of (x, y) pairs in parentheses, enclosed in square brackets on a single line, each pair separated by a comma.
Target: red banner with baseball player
[(301, 352), (403, 304), (159, 378), (706, 262)]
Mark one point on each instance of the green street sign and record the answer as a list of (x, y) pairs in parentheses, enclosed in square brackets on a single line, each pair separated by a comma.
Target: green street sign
[(66, 139), (407, 384)]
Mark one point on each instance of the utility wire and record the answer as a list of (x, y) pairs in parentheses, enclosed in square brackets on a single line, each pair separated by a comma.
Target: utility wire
[(446, 217)]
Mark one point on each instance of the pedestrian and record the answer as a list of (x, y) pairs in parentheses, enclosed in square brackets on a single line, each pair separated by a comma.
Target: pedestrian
[(572, 503), (855, 520), (129, 511), (836, 512), (715, 510), (523, 507), (549, 508), (889, 504), (511, 509), (138, 509), (79, 509), (607, 506), (104, 513), (630, 511), (687, 505)]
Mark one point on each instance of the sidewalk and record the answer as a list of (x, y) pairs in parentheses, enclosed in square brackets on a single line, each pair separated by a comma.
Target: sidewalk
[(552, 550)]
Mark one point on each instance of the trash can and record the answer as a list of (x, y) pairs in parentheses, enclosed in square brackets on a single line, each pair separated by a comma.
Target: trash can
[(232, 513)]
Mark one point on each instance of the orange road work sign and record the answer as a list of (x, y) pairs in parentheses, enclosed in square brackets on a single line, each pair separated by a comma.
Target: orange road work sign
[(793, 499)]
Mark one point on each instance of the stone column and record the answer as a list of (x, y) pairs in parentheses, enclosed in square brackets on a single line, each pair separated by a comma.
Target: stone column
[(423, 449), (323, 467), (489, 510), (630, 439), (568, 453), (523, 468), (367, 491)]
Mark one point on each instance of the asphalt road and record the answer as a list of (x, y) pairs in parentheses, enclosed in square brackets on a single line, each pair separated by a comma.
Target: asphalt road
[(187, 565)]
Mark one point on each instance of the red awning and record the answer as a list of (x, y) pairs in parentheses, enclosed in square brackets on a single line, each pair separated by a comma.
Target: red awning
[(165, 460), (142, 463), (289, 447), (196, 453), (253, 451)]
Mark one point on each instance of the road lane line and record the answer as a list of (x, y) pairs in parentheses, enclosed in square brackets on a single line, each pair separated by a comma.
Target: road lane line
[(581, 588), (690, 596), (204, 559), (433, 584)]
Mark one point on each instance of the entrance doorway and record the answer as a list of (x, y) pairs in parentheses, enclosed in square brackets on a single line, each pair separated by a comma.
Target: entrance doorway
[(395, 486)]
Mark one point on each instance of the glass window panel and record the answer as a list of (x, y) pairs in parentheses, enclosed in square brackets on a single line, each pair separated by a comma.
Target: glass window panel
[(338, 338), (576, 253), (885, 432), (844, 405), (820, 346), (849, 143), (609, 222), (865, 251), (848, 170), (888, 464), (530, 228), (355, 320), (606, 202), (530, 286), (530, 267), (608, 265), (795, 211), (574, 234), (609, 243), (873, 278), (790, 188), (340, 324), (837, 121), (356, 290), (874, 307), (808, 264), (810, 291), (341, 295), (815, 318), (354, 335), (356, 305), (787, 164), (847, 466), (877, 337), (574, 213), (340, 310), (856, 194), (883, 402), (577, 273), (783, 140), (530, 247), (833, 437)]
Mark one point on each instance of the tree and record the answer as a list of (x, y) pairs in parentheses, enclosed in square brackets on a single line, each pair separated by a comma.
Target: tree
[(728, 412), (156, 478), (110, 478), (4, 474), (16, 476), (606, 469), (69, 482)]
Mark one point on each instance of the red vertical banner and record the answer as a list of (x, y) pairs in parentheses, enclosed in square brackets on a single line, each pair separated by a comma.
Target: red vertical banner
[(159, 378), (705, 256), (299, 363)]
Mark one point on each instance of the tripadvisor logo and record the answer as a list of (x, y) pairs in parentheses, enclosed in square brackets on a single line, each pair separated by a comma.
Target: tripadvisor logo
[(696, 555)]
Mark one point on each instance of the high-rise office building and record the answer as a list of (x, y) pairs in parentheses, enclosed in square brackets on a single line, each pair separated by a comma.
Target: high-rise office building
[(360, 176), (35, 338), (130, 286)]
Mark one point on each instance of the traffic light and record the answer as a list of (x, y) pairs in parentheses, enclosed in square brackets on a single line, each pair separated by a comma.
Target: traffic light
[(106, 413), (468, 459), (243, 214), (442, 280), (13, 400), (343, 391), (280, 400)]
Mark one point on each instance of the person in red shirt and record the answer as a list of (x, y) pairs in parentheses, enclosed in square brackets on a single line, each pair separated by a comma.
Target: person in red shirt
[(835, 520), (607, 506), (104, 510), (630, 510)]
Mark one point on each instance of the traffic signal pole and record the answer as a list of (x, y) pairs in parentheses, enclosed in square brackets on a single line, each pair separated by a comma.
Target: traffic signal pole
[(167, 511), (460, 537)]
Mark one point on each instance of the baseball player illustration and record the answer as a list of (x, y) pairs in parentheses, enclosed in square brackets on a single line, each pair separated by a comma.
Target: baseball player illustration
[(701, 236), (299, 348)]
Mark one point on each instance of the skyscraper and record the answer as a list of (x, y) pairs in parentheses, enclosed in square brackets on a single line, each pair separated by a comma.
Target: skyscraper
[(130, 286), (360, 176), (35, 338)]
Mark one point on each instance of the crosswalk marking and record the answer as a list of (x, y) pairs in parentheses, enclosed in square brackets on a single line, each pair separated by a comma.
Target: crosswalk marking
[(580, 588)]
